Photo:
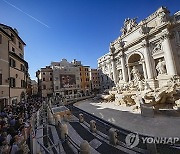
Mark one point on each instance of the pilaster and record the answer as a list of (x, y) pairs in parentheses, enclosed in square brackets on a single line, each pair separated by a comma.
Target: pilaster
[(114, 69), (124, 69), (169, 56), (147, 57)]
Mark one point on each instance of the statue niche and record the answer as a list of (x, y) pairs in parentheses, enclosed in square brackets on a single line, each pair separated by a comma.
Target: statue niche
[(135, 72), (161, 67)]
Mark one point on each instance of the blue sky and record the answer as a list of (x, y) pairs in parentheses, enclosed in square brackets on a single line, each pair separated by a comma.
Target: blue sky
[(72, 29)]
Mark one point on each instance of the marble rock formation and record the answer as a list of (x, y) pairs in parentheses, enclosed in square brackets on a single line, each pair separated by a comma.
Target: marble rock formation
[(162, 97)]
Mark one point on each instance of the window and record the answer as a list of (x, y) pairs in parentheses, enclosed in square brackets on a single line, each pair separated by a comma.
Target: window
[(12, 62), (12, 82), (20, 55), (87, 79), (0, 38), (44, 86), (0, 79), (57, 87), (56, 78), (44, 73), (50, 73), (13, 50), (43, 79), (13, 38), (22, 68), (23, 84), (20, 45), (50, 79)]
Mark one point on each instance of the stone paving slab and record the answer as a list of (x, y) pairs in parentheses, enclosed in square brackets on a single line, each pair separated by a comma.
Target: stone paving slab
[(161, 126), (95, 143)]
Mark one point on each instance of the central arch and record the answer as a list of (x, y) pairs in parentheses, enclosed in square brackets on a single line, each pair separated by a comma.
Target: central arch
[(135, 60)]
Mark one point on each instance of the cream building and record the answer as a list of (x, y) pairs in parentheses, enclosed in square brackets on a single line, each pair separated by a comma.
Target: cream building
[(13, 67), (34, 86), (147, 52), (66, 78), (45, 81), (105, 72)]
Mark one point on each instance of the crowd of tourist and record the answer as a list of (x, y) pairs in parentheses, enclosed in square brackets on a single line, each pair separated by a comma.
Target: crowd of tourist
[(15, 126)]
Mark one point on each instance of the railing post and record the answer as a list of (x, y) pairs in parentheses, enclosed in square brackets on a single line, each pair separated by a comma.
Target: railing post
[(57, 119), (84, 147), (93, 126), (64, 131), (81, 118), (113, 136), (50, 117)]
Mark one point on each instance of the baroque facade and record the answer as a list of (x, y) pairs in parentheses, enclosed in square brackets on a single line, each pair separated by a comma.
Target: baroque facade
[(146, 53)]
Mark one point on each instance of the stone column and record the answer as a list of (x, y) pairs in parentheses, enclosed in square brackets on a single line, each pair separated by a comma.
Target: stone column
[(169, 57), (129, 73), (109, 68), (147, 57), (114, 70), (144, 70), (124, 69)]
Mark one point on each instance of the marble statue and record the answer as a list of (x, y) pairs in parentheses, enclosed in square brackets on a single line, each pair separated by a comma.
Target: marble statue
[(112, 48), (129, 24), (157, 48), (146, 86), (136, 75), (120, 75), (161, 67), (121, 43), (140, 85), (163, 14), (105, 68)]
